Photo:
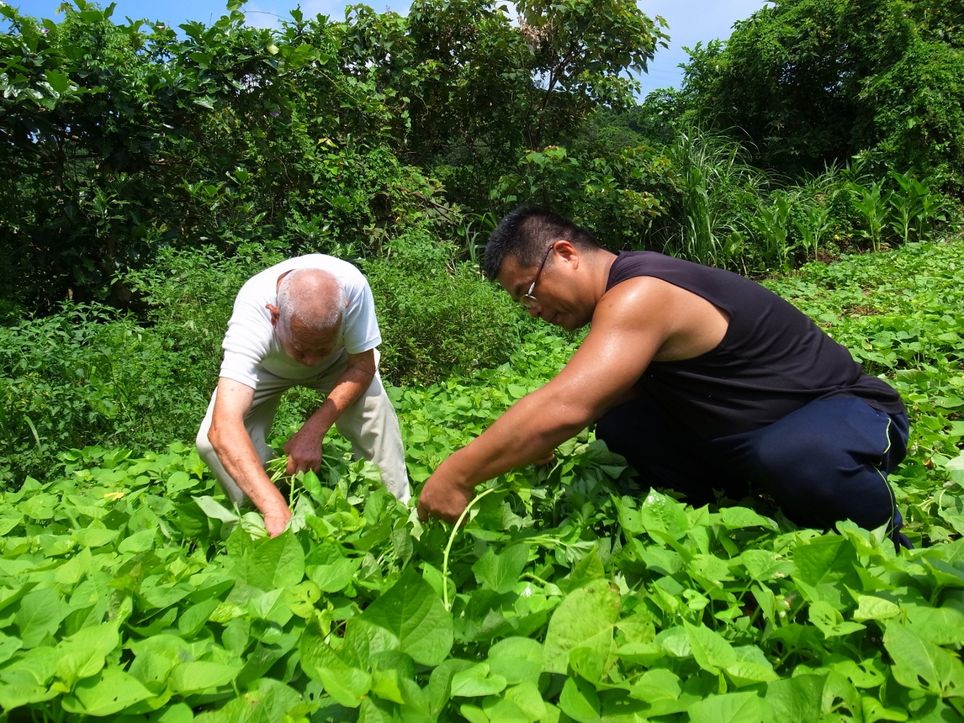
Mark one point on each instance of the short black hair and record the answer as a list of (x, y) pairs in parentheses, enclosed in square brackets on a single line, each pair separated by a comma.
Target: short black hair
[(526, 233)]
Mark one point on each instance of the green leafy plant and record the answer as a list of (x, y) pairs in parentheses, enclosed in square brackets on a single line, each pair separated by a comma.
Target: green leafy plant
[(771, 226), (871, 201), (129, 590)]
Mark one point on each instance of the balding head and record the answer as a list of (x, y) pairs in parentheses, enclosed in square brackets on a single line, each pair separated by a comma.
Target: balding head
[(312, 300)]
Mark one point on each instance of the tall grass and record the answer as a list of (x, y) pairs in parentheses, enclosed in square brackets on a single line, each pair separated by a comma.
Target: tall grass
[(725, 212), (716, 192)]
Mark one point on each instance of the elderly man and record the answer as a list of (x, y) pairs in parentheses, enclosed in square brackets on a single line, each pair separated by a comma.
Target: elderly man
[(701, 378), (308, 321)]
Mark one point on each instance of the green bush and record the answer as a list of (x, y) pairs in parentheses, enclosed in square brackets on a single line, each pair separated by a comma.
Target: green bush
[(439, 316), (87, 376)]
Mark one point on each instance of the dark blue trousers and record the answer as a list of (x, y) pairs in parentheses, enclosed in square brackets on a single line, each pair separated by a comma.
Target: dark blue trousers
[(825, 462)]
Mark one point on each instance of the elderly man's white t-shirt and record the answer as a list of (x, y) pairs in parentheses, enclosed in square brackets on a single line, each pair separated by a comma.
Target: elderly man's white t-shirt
[(250, 344)]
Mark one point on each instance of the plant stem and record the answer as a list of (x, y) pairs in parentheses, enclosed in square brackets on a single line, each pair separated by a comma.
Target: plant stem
[(448, 547)]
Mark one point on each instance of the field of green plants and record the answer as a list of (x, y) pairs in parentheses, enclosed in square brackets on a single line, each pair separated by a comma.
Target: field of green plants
[(128, 589), (147, 171)]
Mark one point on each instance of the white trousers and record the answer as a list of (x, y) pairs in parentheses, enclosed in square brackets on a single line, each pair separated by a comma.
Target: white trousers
[(369, 423)]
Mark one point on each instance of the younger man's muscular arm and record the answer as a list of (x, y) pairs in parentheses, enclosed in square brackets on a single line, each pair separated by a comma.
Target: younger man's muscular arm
[(629, 327)]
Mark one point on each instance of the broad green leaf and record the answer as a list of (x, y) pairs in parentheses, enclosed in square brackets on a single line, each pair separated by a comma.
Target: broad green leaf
[(797, 698), (629, 516), (942, 626), (94, 536), (9, 522), (663, 517), (41, 612), (655, 685), (767, 601), (955, 469), (874, 710), (75, 568), (194, 618), (526, 698), (711, 650), (921, 665), (751, 666), (346, 684), (335, 576), (764, 565), (202, 676), (152, 668), (710, 570), (866, 673), (301, 598), (871, 607), (274, 563), (214, 509), (830, 621), (8, 646), (676, 641), (412, 612), (476, 682), (500, 572), (579, 700), (20, 687), (180, 481), (83, 654), (438, 690), (584, 619), (516, 659), (735, 518), (40, 506), (111, 692), (138, 542), (387, 685), (825, 567), (730, 708)]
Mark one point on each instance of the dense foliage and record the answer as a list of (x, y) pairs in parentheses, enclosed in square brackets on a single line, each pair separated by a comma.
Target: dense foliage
[(810, 83), (117, 140), (128, 589), (121, 139), (146, 172)]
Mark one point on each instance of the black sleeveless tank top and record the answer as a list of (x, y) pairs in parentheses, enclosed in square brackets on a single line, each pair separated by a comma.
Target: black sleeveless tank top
[(772, 360)]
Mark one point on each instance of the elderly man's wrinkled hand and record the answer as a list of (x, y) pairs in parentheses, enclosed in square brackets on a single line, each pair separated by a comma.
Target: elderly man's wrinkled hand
[(276, 520), (304, 453), (442, 501)]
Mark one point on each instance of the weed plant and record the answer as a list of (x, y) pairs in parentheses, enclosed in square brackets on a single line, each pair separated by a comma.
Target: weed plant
[(716, 195)]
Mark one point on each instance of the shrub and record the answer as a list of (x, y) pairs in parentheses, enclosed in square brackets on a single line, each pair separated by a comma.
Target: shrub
[(87, 376), (438, 316)]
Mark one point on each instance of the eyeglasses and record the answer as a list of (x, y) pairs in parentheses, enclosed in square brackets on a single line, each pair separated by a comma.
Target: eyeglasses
[(528, 298)]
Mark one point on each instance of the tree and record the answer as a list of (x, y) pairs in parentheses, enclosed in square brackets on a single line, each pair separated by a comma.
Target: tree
[(813, 82)]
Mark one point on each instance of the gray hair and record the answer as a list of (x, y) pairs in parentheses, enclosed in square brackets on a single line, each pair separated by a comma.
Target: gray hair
[(313, 297)]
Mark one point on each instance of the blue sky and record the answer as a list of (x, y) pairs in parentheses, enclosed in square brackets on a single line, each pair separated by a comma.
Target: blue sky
[(690, 21)]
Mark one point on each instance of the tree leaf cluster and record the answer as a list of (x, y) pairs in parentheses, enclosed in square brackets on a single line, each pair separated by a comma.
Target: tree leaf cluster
[(119, 139), (810, 83)]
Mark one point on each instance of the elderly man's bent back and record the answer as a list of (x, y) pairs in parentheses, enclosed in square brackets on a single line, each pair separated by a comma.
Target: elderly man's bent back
[(308, 321)]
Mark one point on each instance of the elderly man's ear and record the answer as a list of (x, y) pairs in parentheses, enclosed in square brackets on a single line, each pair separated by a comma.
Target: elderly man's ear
[(275, 313)]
